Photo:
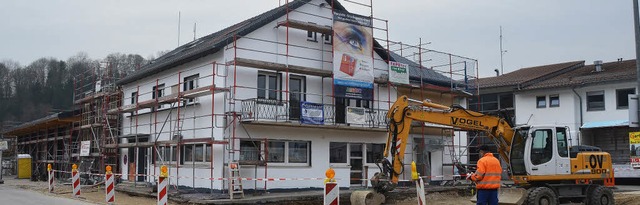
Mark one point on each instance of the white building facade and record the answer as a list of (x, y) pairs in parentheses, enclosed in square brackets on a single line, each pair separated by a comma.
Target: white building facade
[(592, 104), (241, 95)]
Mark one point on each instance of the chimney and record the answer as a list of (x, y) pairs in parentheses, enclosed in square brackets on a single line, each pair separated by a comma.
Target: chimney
[(497, 72), (598, 65)]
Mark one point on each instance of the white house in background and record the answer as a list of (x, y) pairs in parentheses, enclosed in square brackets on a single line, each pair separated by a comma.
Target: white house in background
[(592, 101), (238, 95)]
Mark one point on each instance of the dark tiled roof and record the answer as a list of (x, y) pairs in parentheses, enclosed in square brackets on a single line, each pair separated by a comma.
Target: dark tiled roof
[(611, 72), (42, 122), (214, 42), (525, 75)]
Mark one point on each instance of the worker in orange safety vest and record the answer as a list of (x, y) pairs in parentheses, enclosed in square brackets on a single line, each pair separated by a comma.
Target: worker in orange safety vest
[(487, 177)]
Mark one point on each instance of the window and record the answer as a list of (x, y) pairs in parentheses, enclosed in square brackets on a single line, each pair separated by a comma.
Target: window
[(312, 36), (489, 102), (297, 89), (134, 98), (328, 39), (542, 147), (506, 101), (595, 101), (622, 99), (298, 152), (190, 83), (268, 86), (554, 101), (561, 135), (167, 153), (250, 150), (337, 152), (374, 152), (276, 152), (195, 153), (157, 92), (286, 152), (541, 101)]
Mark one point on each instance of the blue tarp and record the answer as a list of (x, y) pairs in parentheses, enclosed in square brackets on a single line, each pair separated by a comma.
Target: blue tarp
[(610, 123)]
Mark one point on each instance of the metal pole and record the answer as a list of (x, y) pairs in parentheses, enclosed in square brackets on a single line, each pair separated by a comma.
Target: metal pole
[(501, 52), (636, 26)]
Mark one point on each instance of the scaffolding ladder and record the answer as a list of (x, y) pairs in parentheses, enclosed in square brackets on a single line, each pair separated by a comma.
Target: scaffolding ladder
[(235, 181)]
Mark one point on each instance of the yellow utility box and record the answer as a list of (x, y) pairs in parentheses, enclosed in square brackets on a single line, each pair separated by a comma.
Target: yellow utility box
[(24, 166)]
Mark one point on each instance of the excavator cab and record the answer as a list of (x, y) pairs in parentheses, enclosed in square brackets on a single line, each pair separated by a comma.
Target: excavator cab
[(540, 150)]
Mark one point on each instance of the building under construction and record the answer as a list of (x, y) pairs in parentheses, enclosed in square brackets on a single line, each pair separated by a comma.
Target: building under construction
[(283, 94)]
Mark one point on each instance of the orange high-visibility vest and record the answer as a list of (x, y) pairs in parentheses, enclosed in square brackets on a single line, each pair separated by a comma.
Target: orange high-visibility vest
[(489, 173)]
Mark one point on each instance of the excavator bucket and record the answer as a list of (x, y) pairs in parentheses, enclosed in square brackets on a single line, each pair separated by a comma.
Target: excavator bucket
[(509, 196)]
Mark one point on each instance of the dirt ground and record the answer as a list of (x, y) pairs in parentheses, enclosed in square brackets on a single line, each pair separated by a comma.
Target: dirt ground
[(96, 195), (452, 198), (88, 194)]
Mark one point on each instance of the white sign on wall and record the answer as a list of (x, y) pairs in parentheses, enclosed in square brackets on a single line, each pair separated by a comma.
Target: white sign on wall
[(355, 115), (4, 145), (398, 72), (85, 148)]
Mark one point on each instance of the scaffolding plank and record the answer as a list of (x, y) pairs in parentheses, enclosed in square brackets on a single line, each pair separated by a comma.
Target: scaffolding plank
[(168, 99), (307, 26), (281, 67), (295, 124)]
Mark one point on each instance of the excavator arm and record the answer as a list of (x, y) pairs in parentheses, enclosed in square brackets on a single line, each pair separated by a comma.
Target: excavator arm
[(404, 111)]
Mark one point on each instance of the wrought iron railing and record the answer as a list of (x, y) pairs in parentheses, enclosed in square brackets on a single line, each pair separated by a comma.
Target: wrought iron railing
[(258, 109)]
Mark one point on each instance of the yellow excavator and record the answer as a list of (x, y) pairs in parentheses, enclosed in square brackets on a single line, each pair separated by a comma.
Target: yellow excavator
[(540, 162)]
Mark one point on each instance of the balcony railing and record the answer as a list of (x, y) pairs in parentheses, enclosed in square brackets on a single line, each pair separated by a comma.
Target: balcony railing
[(258, 109)]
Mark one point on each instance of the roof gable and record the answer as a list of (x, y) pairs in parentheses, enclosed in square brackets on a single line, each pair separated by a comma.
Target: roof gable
[(212, 43)]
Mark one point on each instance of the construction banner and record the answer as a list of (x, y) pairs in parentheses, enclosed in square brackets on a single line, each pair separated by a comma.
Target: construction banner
[(634, 146), (312, 113), (352, 55)]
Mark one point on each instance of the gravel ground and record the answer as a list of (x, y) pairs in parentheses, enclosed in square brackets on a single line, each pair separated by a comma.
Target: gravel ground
[(96, 195)]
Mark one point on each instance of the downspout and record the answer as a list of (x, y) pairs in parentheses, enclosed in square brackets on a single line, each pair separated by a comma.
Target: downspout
[(580, 99)]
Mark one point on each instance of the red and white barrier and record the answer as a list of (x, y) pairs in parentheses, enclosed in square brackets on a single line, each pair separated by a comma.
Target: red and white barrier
[(422, 200), (109, 186), (75, 181), (50, 171), (162, 186), (331, 193)]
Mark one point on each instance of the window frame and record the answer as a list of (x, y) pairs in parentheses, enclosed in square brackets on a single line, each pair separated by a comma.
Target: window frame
[(618, 106), (134, 98), (550, 134), (551, 100), (592, 94), (542, 99), (266, 89), (312, 36), (328, 39), (286, 153), (203, 152), (194, 83), (158, 92)]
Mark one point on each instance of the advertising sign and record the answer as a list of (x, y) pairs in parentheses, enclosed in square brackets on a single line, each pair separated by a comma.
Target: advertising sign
[(634, 148), (398, 73), (85, 148), (312, 113), (4, 145), (352, 57), (356, 115)]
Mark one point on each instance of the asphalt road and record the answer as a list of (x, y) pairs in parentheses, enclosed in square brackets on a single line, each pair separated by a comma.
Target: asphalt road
[(11, 195)]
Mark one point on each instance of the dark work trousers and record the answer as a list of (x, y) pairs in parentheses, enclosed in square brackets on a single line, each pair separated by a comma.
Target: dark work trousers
[(487, 197)]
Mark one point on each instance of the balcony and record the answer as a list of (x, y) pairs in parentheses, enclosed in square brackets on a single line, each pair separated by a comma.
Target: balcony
[(275, 112)]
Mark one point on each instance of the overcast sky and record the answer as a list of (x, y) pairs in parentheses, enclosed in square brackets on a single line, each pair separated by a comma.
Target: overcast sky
[(535, 32)]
